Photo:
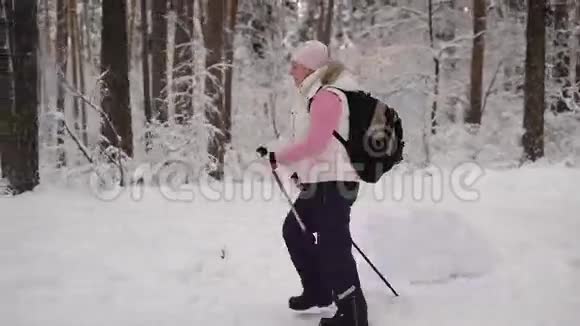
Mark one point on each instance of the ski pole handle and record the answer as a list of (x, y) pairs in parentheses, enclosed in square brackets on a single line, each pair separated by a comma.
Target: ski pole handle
[(263, 152)]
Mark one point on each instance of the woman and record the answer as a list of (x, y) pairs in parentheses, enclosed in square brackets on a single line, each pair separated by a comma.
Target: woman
[(323, 255)]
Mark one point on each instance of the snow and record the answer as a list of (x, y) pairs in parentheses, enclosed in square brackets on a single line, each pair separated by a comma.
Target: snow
[(511, 257)]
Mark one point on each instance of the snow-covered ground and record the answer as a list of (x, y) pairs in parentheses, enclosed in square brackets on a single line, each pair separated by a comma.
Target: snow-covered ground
[(511, 257)]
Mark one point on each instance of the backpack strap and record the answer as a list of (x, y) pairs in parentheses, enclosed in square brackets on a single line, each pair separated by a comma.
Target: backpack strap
[(312, 98), (340, 138)]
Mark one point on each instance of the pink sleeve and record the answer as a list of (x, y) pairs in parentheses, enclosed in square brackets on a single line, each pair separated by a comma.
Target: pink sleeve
[(325, 114)]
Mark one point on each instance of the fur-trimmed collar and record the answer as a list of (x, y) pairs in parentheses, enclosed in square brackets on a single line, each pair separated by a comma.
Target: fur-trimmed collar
[(326, 75), (333, 71)]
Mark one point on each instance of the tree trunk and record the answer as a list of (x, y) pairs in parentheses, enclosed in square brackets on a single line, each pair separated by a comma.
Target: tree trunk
[(326, 18), (159, 57), (132, 11), (46, 8), (78, 32), (22, 149), (62, 64), (561, 70), (447, 33), (473, 115), (6, 86), (214, 27), (261, 24), (533, 138), (145, 61), (183, 58), (115, 67), (229, 73), (87, 30), (73, 30), (516, 7), (577, 41), (45, 60), (437, 72), (574, 78), (321, 24), (145, 64), (306, 29), (46, 54)]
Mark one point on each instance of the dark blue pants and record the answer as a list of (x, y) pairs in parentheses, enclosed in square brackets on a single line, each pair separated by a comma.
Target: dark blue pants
[(324, 262)]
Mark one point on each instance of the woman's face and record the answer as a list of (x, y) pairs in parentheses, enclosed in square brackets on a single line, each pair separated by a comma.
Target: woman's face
[(299, 72)]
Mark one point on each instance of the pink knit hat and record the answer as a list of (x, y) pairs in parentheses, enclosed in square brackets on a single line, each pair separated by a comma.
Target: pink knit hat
[(311, 54)]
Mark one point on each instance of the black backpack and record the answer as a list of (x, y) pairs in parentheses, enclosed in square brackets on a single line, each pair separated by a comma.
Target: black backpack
[(375, 143)]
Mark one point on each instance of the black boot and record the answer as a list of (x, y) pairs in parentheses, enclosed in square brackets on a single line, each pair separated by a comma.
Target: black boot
[(309, 300), (352, 311)]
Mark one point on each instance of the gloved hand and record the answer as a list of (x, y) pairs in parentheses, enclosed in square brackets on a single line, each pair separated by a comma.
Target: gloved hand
[(263, 152), (296, 180)]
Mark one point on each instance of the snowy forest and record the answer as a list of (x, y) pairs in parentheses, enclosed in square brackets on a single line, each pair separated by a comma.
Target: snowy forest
[(131, 192), (205, 82)]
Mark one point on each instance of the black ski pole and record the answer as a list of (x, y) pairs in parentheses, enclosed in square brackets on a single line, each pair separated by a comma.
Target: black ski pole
[(374, 268), (296, 216)]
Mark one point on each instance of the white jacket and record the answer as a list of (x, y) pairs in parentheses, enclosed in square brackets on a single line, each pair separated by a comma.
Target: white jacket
[(333, 164)]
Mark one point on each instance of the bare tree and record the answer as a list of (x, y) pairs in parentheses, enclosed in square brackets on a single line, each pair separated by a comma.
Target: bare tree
[(533, 138), (21, 152), (115, 69), (213, 35), (473, 115), (159, 57)]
